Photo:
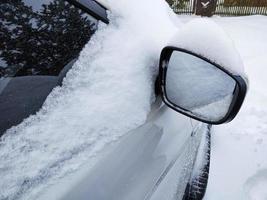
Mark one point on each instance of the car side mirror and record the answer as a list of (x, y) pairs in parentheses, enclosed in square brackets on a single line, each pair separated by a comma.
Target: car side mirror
[(198, 87)]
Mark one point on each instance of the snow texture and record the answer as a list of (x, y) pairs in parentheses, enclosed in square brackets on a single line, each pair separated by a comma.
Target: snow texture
[(107, 93), (198, 86), (238, 157), (204, 37), (238, 149)]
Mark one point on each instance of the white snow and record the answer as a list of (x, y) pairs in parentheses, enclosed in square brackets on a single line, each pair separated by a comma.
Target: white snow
[(239, 149), (216, 110), (198, 86), (201, 159), (204, 37), (107, 93), (104, 3)]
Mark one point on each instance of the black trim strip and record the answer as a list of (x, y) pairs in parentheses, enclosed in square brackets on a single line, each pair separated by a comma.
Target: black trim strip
[(197, 191), (93, 8)]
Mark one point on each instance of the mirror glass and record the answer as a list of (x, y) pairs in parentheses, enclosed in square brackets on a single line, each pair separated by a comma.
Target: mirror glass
[(198, 87)]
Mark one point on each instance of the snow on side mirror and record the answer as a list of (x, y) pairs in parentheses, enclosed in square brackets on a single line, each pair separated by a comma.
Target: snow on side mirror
[(199, 88), (199, 83)]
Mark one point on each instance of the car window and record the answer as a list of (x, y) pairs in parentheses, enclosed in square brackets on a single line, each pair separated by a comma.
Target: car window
[(39, 37)]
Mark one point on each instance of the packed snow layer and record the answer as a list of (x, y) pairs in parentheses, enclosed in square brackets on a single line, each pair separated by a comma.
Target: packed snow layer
[(107, 93)]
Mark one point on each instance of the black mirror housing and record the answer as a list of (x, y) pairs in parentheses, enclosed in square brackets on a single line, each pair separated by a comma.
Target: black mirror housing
[(239, 88)]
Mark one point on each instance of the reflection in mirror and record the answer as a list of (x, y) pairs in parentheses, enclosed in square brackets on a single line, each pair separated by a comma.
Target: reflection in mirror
[(198, 87), (40, 37)]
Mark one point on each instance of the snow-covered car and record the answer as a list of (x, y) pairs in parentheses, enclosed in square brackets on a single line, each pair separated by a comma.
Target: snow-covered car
[(165, 158), (40, 41)]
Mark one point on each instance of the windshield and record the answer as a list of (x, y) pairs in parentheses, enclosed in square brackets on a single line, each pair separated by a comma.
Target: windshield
[(39, 37)]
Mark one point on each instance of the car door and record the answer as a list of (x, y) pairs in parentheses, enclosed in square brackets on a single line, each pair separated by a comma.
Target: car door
[(40, 41), (154, 161)]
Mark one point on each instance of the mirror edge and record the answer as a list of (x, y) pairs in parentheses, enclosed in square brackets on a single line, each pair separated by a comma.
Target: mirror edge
[(236, 103)]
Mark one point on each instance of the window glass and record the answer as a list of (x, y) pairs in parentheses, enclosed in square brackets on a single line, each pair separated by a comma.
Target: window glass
[(39, 37)]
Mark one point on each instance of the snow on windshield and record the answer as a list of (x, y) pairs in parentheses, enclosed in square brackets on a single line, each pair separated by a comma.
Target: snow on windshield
[(107, 93)]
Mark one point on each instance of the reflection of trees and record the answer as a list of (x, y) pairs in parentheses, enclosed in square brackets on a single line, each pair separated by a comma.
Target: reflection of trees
[(42, 42), (2, 71)]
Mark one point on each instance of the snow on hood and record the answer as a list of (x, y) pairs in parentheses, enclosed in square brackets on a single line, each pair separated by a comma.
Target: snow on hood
[(107, 93), (204, 37)]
